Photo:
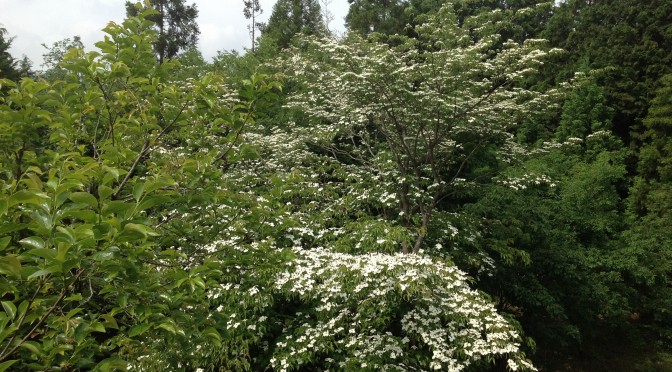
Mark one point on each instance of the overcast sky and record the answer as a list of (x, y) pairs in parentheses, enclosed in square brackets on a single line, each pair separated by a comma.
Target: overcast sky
[(34, 22)]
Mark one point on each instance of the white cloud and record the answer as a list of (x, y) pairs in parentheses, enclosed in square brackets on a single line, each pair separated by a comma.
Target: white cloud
[(36, 22)]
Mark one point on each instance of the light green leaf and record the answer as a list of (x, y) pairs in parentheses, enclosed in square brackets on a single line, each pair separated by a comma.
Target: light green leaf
[(33, 181), (49, 270), (7, 364), (105, 192), (142, 229), (45, 253), (112, 364), (32, 346), (168, 327), (96, 327), (4, 242), (84, 198), (23, 307), (10, 308), (27, 197), (109, 322), (152, 201), (138, 190), (10, 265), (32, 242)]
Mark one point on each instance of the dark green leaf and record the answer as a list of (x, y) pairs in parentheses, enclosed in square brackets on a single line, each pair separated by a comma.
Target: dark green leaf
[(138, 329)]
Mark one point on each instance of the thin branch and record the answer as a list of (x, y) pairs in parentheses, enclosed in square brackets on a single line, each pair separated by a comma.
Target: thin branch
[(42, 318)]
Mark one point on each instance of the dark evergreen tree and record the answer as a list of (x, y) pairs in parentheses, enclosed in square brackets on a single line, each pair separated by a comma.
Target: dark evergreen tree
[(8, 65), (176, 26), (651, 208), (630, 39), (291, 17), (26, 67), (381, 16)]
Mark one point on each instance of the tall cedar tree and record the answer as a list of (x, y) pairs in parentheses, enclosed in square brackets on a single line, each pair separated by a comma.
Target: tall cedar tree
[(630, 39), (291, 17), (651, 208), (251, 10), (8, 68), (176, 26), (382, 16)]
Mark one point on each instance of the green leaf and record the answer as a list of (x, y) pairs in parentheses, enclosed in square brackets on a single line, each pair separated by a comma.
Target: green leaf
[(4, 206), (159, 183), (152, 201), (168, 327), (199, 282), (118, 207), (10, 308), (86, 215), (49, 270), (138, 329), (42, 219), (23, 307), (109, 321), (96, 327), (7, 364), (84, 198), (33, 181), (27, 197), (105, 192), (4, 242), (112, 364), (10, 265), (45, 253), (212, 333), (142, 229), (32, 242), (103, 256), (138, 190), (32, 346)]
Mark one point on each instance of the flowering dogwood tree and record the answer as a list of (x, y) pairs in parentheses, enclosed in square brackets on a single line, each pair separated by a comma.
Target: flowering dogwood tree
[(416, 116)]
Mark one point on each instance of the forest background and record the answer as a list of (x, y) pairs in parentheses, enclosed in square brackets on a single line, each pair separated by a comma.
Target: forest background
[(468, 184)]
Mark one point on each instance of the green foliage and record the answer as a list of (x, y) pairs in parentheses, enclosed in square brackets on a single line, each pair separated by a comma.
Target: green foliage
[(584, 112), (180, 215), (90, 275)]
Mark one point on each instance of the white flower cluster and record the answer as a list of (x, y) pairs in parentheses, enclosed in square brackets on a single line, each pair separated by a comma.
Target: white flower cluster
[(358, 299), (527, 180)]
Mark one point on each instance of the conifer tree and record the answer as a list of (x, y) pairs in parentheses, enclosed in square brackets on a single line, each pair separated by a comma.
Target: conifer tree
[(291, 17), (252, 9), (176, 26), (8, 68), (651, 207)]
